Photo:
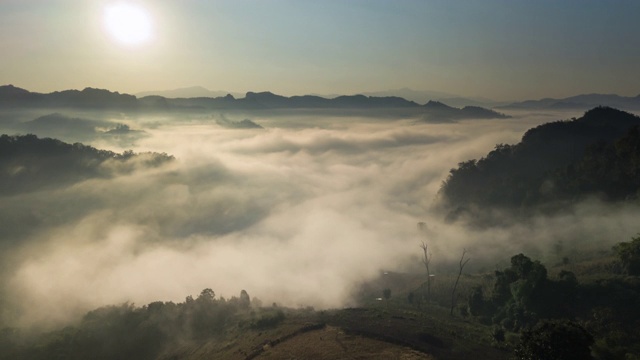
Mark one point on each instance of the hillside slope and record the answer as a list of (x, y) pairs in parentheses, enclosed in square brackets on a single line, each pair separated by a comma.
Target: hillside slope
[(595, 155), (29, 163)]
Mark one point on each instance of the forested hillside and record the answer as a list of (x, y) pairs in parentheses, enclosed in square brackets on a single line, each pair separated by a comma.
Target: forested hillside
[(28, 163), (595, 155)]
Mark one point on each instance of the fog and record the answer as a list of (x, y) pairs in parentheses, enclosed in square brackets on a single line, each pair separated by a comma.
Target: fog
[(297, 213)]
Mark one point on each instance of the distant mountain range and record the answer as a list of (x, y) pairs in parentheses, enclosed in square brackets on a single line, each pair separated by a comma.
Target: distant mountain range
[(579, 102), (423, 96), (15, 97), (418, 96), (187, 92), (89, 98)]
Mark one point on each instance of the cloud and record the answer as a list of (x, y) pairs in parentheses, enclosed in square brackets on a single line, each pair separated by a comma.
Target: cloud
[(298, 213)]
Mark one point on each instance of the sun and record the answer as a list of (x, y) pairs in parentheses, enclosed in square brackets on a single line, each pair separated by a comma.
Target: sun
[(128, 23)]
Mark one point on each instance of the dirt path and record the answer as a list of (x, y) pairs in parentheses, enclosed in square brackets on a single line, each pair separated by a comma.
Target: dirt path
[(332, 343)]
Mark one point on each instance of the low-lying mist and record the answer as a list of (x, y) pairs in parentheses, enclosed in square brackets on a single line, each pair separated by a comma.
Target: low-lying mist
[(297, 213)]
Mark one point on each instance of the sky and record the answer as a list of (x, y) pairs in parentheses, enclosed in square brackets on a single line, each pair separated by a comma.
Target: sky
[(496, 49)]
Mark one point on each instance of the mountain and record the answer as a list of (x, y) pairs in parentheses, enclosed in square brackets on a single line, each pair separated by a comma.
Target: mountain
[(187, 92), (270, 100), (61, 127), (419, 96), (65, 128), (439, 110), (586, 101), (423, 96), (243, 124), (31, 163), (562, 161), (13, 97), (98, 99), (463, 101)]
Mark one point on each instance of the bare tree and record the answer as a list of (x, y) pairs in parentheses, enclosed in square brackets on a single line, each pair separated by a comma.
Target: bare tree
[(463, 262), (426, 259)]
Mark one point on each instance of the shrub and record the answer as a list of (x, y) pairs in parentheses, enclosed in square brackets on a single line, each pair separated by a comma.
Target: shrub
[(555, 340)]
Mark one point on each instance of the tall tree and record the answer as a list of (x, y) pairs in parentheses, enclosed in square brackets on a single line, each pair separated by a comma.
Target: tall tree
[(463, 262)]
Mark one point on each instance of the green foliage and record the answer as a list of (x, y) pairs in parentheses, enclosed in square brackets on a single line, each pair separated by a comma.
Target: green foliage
[(525, 299), (35, 163), (269, 319), (555, 340), (609, 168), (206, 295), (598, 153), (386, 293), (522, 294), (629, 254), (613, 316), (498, 334), (129, 332), (477, 305), (521, 282), (245, 300)]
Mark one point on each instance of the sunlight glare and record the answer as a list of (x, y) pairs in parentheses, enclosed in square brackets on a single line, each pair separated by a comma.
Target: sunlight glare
[(128, 23)]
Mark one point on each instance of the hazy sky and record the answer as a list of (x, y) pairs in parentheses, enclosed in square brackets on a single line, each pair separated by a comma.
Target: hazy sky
[(499, 49)]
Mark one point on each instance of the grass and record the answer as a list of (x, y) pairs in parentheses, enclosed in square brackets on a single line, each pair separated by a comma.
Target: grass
[(374, 331)]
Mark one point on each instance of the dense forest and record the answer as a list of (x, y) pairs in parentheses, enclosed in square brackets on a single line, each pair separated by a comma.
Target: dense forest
[(563, 161), (129, 332), (29, 163)]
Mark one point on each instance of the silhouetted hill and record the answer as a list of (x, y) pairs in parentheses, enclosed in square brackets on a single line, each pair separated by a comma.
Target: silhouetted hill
[(14, 96), (585, 101), (187, 92), (59, 126), (598, 153), (74, 129), (11, 96), (268, 100), (99, 99), (423, 96), (29, 163), (92, 98), (10, 90), (436, 109), (243, 124)]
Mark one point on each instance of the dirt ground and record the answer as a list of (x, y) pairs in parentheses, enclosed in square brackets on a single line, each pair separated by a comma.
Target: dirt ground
[(331, 343)]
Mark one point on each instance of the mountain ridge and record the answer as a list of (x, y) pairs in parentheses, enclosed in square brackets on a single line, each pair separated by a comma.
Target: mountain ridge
[(91, 98), (579, 102), (555, 164)]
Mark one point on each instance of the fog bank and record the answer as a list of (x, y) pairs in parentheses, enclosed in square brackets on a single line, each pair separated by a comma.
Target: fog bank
[(296, 213)]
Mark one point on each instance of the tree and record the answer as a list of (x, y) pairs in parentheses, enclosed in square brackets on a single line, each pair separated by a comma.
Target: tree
[(629, 254), (206, 295), (477, 305), (555, 340), (245, 300), (530, 277), (426, 259), (387, 294), (463, 262)]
